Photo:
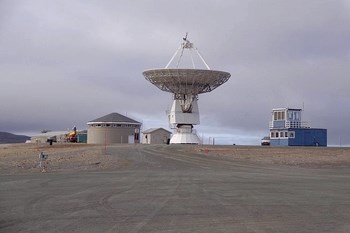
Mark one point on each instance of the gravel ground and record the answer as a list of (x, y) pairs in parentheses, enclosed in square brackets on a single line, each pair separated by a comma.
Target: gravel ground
[(174, 188)]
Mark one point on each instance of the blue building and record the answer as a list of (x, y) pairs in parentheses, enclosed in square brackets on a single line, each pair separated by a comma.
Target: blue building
[(287, 129)]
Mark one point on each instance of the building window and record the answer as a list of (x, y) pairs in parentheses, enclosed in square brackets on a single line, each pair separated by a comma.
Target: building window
[(279, 115), (291, 134), (277, 135), (272, 134), (286, 134)]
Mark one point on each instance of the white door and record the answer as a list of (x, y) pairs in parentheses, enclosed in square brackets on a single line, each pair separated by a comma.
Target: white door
[(131, 139)]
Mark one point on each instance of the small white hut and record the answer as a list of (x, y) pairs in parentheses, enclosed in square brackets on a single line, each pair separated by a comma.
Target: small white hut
[(156, 136)]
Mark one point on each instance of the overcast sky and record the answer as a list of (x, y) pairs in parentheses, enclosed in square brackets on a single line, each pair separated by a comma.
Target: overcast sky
[(64, 63)]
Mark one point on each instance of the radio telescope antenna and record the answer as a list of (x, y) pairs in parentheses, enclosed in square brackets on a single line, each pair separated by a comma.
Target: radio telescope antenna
[(186, 85)]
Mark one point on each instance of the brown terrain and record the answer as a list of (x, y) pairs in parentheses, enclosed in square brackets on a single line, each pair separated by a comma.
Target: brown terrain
[(313, 157), (174, 188), (18, 158)]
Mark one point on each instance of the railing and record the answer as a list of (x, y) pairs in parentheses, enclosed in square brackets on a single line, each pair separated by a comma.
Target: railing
[(290, 124), (297, 124)]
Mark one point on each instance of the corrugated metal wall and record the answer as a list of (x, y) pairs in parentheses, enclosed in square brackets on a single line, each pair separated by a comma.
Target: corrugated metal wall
[(309, 137)]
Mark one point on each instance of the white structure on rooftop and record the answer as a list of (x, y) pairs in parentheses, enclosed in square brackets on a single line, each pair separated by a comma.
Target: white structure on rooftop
[(287, 118), (186, 85)]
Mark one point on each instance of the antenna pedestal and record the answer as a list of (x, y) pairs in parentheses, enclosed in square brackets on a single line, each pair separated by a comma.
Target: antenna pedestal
[(183, 115), (184, 135), (178, 116)]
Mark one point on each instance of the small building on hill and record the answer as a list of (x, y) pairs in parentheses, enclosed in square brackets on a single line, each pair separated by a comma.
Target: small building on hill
[(55, 136), (113, 128), (156, 136), (287, 129)]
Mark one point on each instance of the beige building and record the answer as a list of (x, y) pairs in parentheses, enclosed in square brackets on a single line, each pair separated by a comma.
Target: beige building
[(156, 136), (113, 128), (56, 136)]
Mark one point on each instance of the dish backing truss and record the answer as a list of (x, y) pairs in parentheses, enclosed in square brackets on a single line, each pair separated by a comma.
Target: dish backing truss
[(186, 81)]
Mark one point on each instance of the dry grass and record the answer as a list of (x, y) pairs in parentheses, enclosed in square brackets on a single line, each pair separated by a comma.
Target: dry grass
[(16, 158)]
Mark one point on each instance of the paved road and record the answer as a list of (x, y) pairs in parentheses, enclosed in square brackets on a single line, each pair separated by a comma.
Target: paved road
[(166, 189)]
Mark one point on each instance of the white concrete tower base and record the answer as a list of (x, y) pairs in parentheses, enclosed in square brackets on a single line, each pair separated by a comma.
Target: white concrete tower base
[(184, 135)]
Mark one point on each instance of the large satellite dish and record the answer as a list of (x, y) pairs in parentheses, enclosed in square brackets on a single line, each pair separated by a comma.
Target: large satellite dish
[(186, 81), (186, 85)]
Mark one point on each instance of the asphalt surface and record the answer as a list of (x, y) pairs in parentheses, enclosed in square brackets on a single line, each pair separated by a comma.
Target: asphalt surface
[(168, 189)]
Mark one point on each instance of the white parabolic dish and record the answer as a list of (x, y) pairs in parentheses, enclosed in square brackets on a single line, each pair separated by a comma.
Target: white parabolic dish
[(186, 81)]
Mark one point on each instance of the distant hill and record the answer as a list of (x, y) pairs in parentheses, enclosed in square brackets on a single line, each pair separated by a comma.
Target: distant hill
[(12, 138)]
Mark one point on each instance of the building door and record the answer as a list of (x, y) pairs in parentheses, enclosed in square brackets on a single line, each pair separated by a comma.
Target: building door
[(131, 139)]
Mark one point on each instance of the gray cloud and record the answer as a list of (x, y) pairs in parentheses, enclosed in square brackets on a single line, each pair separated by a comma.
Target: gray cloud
[(68, 62)]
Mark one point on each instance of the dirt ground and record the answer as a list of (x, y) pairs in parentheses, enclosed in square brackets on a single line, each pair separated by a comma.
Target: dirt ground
[(307, 157), (17, 158)]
